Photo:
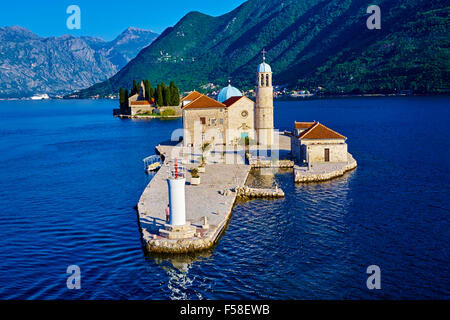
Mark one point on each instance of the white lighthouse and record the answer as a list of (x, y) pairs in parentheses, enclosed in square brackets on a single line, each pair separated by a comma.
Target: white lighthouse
[(264, 104), (176, 180), (177, 227)]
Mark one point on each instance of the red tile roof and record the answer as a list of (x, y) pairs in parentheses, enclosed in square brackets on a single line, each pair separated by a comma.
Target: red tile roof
[(204, 102), (303, 125), (319, 131), (232, 100), (140, 103), (192, 96)]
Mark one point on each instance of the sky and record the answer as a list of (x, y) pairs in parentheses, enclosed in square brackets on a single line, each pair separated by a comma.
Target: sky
[(105, 19)]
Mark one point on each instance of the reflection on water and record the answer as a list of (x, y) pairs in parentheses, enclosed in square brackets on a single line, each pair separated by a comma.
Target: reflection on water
[(257, 238), (177, 267)]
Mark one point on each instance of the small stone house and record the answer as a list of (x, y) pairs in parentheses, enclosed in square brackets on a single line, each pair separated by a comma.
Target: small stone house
[(312, 142)]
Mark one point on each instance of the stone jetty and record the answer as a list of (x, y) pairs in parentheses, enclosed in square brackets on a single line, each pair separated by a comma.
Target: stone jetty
[(323, 171), (247, 192), (208, 208), (209, 205), (261, 162)]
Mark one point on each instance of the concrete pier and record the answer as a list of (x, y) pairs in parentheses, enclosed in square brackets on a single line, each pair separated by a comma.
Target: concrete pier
[(208, 205), (205, 200)]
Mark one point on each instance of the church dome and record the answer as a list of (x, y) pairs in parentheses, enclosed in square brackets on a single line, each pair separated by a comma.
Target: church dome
[(227, 93), (264, 67)]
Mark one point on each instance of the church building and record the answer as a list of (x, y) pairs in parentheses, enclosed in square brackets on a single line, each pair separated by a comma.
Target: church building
[(232, 119)]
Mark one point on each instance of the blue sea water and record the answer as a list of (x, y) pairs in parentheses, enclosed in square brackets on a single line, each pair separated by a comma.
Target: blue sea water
[(70, 175)]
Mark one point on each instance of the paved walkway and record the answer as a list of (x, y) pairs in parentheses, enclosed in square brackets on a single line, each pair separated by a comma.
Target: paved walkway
[(207, 199)]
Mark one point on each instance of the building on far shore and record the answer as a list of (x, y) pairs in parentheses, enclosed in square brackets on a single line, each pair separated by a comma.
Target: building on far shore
[(137, 104), (313, 142)]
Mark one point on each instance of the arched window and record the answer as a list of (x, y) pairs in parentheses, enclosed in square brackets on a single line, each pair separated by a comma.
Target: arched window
[(267, 80), (262, 80)]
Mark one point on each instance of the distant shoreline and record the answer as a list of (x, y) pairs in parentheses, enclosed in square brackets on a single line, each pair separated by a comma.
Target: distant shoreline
[(281, 98), (374, 95)]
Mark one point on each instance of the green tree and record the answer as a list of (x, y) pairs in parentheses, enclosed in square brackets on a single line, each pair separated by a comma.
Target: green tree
[(125, 97), (121, 96), (174, 94), (166, 96), (134, 90), (147, 90), (159, 96)]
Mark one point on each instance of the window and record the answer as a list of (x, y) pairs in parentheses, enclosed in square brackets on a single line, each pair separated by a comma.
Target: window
[(267, 80), (203, 120), (212, 121), (220, 121)]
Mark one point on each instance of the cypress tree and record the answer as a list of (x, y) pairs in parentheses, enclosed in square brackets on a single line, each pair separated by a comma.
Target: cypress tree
[(151, 91), (159, 96), (134, 90), (167, 97), (125, 96), (174, 94), (121, 96), (147, 90)]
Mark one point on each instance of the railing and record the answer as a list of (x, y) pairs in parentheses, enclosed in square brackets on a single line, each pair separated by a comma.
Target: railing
[(176, 169)]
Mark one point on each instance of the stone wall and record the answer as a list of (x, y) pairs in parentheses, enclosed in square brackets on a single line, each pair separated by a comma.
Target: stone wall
[(255, 162), (177, 109), (247, 192), (213, 131), (136, 110), (326, 171), (314, 150)]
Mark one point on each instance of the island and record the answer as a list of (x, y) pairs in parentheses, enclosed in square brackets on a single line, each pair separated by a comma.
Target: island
[(146, 102), (207, 166)]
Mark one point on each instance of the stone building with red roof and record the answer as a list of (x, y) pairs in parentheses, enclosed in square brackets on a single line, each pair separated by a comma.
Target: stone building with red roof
[(206, 120), (313, 142), (137, 104)]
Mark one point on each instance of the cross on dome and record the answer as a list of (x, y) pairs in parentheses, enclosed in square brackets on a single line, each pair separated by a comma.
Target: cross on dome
[(264, 67)]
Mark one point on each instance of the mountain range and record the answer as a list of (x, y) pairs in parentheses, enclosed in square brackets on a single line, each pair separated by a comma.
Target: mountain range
[(309, 43), (30, 64)]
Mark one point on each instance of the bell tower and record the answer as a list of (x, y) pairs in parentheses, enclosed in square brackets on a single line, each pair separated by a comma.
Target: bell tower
[(264, 104)]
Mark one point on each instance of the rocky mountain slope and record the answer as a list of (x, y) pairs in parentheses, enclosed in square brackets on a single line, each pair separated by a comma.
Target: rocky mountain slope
[(30, 64), (309, 43)]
